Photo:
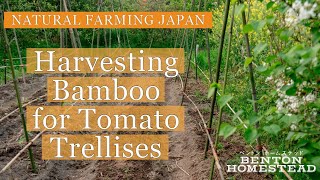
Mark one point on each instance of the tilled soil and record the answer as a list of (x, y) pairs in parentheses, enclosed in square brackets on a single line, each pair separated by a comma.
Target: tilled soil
[(186, 159)]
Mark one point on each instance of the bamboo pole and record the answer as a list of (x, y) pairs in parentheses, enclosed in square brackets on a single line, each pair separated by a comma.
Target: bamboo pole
[(71, 32), (189, 58), (214, 152), (62, 37), (98, 30), (125, 30), (219, 59), (225, 74), (18, 48), (178, 33), (77, 36), (4, 61), (244, 125), (105, 38), (117, 32), (44, 30), (110, 38), (225, 79), (5, 72), (61, 30), (184, 40), (196, 61), (208, 46), (16, 87), (185, 31), (252, 80)]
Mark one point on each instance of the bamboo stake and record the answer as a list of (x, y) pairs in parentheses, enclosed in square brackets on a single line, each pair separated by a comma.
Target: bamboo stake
[(5, 66), (125, 30), (225, 74), (98, 30), (213, 102), (5, 72), (44, 30), (61, 30), (71, 32), (18, 47), (105, 38), (244, 125), (252, 81), (225, 79), (196, 61), (214, 152), (208, 45), (178, 33), (249, 8), (189, 58), (15, 82), (110, 38), (77, 36), (118, 36), (98, 38), (62, 37), (184, 39), (185, 31), (176, 40)]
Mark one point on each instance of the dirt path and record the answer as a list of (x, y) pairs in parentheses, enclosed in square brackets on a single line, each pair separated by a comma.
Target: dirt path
[(185, 152)]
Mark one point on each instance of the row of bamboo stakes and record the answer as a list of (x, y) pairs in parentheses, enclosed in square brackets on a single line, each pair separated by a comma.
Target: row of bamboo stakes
[(259, 148), (75, 42)]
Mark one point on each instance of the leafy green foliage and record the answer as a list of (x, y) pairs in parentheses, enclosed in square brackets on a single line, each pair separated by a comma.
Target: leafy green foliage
[(212, 87), (272, 129), (223, 100), (250, 135), (226, 130)]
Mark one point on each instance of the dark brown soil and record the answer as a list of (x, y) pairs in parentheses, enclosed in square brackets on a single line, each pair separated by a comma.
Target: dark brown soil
[(185, 153)]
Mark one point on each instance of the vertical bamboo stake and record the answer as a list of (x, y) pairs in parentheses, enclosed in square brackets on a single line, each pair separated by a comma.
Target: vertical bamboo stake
[(189, 59), (185, 31), (110, 38), (225, 75), (61, 30), (196, 60), (249, 5), (93, 34), (94, 30), (98, 30), (77, 36), (118, 36), (252, 81), (44, 30), (5, 71), (184, 40), (225, 79), (176, 40), (18, 48), (178, 33), (125, 30), (105, 38), (71, 32), (208, 46), (62, 42), (213, 102), (15, 82), (98, 38), (5, 66)]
